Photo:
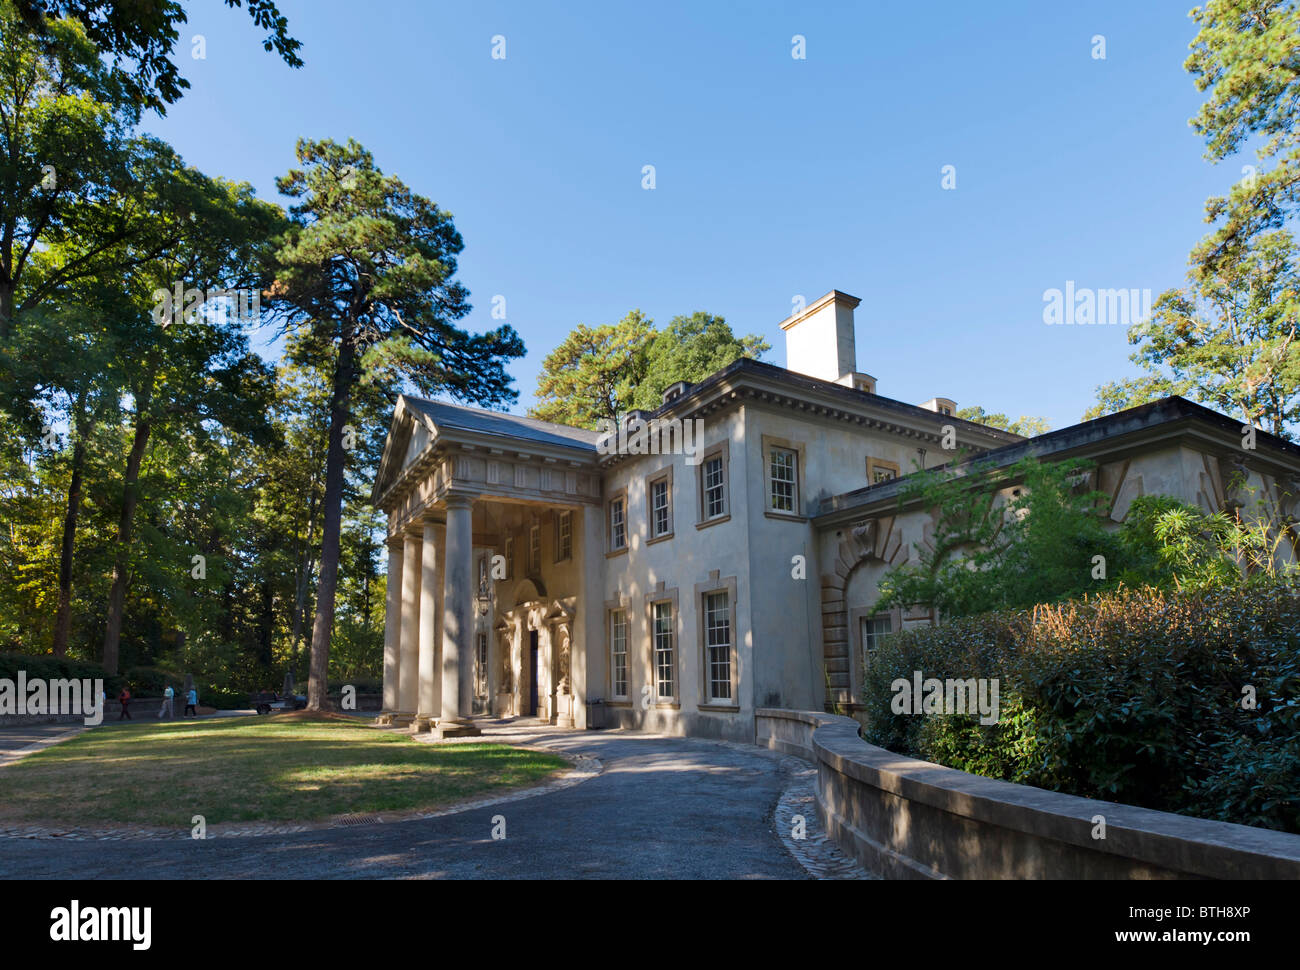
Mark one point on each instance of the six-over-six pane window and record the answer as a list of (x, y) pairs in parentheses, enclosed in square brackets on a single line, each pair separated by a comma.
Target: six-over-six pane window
[(660, 517), (618, 524), (783, 473), (715, 502)]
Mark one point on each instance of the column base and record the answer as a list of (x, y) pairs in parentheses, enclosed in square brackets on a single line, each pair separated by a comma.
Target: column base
[(423, 723), (456, 729), (393, 719)]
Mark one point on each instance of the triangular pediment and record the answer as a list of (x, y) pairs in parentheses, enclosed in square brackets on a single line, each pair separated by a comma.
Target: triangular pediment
[(408, 438)]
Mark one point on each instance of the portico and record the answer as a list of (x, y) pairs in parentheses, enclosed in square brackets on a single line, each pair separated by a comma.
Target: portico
[(488, 545)]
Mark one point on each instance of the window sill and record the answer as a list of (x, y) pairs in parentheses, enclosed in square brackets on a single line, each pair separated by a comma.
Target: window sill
[(616, 552), (618, 703), (716, 520), (720, 708), (785, 516), (662, 538), (665, 706)]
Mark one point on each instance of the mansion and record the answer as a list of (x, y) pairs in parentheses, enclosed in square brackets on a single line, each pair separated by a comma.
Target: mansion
[(535, 571)]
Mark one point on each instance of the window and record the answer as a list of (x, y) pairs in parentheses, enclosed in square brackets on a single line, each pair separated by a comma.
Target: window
[(717, 650), (535, 549), (661, 519), (563, 536), (874, 629), (618, 654), (783, 469), (880, 471), (618, 523), (715, 493), (510, 557), (481, 674), (945, 410), (662, 632)]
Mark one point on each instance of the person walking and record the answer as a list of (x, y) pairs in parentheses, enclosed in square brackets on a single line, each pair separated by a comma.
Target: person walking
[(124, 699), (191, 703), (167, 708)]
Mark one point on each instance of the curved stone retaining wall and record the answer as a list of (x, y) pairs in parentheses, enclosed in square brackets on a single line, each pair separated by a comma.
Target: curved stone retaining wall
[(911, 819)]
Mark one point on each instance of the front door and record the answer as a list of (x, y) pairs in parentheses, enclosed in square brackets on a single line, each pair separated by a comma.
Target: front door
[(532, 672)]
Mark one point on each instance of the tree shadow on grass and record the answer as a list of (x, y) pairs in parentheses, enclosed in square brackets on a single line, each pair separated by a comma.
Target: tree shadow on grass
[(305, 771)]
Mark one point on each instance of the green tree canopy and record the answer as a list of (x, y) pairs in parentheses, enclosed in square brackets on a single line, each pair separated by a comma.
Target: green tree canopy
[(138, 37), (1023, 425), (690, 349), (1246, 56), (591, 376), (1227, 340), (600, 373)]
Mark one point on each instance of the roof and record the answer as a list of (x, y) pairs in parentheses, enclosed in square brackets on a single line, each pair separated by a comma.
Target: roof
[(746, 366), (513, 426), (1094, 435)]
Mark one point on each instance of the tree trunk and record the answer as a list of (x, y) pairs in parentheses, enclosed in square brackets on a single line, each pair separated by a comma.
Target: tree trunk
[(332, 512), (63, 619), (117, 593), (304, 577), (6, 308)]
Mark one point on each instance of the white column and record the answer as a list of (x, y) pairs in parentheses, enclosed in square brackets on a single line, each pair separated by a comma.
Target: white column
[(393, 626), (458, 609), (409, 678), (427, 703)]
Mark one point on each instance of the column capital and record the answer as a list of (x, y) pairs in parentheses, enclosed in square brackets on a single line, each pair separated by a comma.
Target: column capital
[(459, 500), (434, 517), (395, 543)]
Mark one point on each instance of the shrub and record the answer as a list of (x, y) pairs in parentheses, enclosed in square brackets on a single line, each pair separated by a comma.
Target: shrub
[(1142, 697), (223, 698), (152, 681), (49, 667), (364, 685)]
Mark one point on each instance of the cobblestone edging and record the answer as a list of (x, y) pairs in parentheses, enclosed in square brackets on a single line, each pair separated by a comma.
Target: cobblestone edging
[(819, 855), (583, 768)]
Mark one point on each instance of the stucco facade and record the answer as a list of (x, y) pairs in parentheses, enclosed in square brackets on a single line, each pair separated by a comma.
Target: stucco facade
[(535, 568)]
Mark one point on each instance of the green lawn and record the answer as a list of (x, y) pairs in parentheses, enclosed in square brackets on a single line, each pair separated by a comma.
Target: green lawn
[(277, 768)]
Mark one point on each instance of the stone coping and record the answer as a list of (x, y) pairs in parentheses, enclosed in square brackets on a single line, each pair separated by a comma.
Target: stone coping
[(1176, 843)]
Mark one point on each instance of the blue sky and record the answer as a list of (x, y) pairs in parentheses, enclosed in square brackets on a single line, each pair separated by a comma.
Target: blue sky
[(774, 176)]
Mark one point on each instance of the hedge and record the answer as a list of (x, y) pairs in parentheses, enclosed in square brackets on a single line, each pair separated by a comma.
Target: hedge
[(50, 667), (1182, 702)]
